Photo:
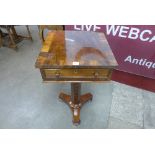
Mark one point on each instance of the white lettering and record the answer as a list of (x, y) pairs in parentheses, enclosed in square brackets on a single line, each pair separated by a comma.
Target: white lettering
[(96, 28), (76, 28), (142, 35), (135, 61), (153, 38), (128, 59), (141, 62), (130, 32), (153, 66), (133, 34), (148, 64), (123, 31), (144, 62), (88, 27), (112, 29)]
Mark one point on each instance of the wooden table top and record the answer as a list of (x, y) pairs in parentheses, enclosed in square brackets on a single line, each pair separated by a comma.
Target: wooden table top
[(69, 49)]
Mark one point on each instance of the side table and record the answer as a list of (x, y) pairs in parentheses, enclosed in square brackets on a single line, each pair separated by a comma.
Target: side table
[(76, 57)]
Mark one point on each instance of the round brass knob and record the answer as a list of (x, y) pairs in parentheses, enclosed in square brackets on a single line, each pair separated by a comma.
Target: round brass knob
[(75, 71), (57, 74), (96, 74)]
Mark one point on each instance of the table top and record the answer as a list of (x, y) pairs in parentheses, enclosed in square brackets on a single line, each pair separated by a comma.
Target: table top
[(69, 49)]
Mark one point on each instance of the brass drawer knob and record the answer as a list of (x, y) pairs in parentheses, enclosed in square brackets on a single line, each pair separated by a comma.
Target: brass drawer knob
[(75, 71), (57, 74), (96, 74)]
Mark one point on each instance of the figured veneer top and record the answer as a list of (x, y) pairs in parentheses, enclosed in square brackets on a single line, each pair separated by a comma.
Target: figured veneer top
[(80, 49)]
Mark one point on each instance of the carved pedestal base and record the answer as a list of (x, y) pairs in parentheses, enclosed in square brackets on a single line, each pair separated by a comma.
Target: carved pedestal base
[(75, 101)]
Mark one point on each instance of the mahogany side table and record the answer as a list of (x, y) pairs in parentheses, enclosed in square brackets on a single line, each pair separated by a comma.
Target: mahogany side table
[(76, 57)]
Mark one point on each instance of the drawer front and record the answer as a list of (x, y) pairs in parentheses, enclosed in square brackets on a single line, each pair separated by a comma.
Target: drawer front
[(72, 74)]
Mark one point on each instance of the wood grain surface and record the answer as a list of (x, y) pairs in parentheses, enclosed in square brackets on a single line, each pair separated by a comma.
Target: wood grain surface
[(75, 49)]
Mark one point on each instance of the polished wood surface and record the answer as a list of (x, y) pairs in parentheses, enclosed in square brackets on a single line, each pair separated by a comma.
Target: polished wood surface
[(75, 48), (77, 74), (49, 27), (76, 57)]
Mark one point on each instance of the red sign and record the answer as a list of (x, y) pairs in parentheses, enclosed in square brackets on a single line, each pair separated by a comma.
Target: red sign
[(132, 45)]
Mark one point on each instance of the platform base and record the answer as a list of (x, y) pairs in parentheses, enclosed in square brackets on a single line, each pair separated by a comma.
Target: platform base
[(75, 101)]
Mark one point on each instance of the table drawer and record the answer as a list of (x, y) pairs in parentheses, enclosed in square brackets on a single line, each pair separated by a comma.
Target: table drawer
[(77, 73)]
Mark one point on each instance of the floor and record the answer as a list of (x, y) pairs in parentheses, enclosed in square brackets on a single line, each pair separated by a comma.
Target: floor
[(26, 102)]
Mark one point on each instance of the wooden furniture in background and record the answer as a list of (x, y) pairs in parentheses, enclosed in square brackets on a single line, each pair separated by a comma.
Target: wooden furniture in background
[(76, 57), (49, 27), (10, 37)]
